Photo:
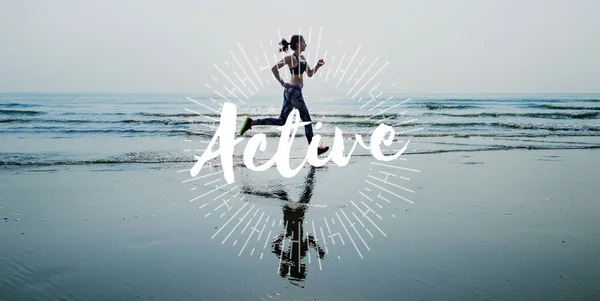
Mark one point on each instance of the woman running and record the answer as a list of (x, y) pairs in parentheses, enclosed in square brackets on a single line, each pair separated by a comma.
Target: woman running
[(292, 94)]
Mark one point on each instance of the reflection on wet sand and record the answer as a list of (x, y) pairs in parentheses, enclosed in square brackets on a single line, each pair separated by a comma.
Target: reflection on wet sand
[(292, 246)]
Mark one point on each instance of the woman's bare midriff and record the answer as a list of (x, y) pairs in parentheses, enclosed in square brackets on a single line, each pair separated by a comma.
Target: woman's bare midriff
[(296, 81)]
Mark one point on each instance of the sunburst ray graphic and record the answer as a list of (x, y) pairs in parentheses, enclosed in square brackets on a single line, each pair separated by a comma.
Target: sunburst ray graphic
[(250, 226)]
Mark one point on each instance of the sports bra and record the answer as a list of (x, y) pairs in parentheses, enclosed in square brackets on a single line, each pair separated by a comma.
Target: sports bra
[(300, 68)]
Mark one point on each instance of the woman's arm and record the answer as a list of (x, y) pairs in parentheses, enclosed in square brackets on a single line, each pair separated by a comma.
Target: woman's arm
[(275, 70), (311, 72)]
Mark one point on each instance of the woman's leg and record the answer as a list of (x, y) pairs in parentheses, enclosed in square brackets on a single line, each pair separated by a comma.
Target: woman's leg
[(297, 101), (286, 109), (292, 99)]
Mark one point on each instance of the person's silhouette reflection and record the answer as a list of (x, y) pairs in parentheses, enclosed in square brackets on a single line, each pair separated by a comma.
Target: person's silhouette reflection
[(293, 256), (292, 246)]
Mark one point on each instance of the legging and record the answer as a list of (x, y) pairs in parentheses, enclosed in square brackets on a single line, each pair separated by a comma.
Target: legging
[(292, 99)]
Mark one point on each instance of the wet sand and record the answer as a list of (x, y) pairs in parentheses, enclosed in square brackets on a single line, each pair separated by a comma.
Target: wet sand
[(493, 225)]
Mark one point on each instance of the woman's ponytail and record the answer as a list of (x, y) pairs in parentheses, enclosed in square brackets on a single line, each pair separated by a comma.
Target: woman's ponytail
[(284, 45)]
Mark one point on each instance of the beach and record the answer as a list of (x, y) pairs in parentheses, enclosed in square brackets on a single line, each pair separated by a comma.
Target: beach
[(106, 209), (484, 226)]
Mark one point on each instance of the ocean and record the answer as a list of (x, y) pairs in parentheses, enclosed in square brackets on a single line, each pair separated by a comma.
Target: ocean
[(494, 198), (84, 128)]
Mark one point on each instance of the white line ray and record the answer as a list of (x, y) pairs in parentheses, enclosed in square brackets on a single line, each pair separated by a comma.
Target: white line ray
[(261, 232), (383, 111), (327, 224), (227, 222), (198, 197), (362, 61), (223, 96), (229, 79), (246, 227), (348, 233), (352, 75), (368, 218), (250, 236), (382, 102), (375, 87), (379, 196), (282, 248), (353, 227), (396, 167), (348, 65), (363, 75), (358, 219), (372, 77), (373, 98), (324, 58), (236, 225), (197, 102), (243, 83), (405, 122), (318, 43), (390, 183), (220, 104), (382, 120), (390, 192), (200, 114), (411, 130), (243, 70), (323, 236), (267, 239), (329, 69), (232, 92), (396, 176), (356, 70), (368, 198), (225, 203), (201, 177), (300, 234), (339, 65), (369, 209), (212, 182), (251, 66)]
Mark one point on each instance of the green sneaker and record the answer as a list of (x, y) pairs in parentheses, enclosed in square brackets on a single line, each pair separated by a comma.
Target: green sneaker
[(247, 126)]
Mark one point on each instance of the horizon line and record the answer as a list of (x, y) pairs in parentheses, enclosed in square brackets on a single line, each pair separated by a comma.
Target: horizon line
[(314, 93)]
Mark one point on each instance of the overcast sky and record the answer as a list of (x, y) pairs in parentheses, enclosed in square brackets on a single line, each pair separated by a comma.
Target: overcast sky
[(174, 46)]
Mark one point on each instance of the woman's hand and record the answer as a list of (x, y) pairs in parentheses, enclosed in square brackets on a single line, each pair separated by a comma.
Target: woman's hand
[(320, 63), (285, 85)]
